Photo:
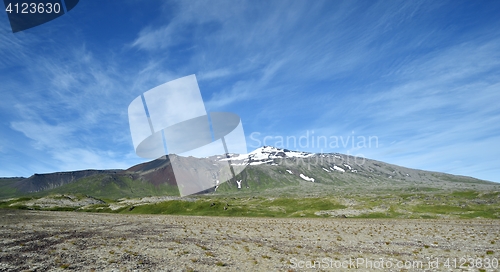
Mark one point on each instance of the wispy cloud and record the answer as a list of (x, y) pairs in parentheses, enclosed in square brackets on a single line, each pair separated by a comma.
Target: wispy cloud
[(159, 38), (245, 89), (44, 135), (213, 74), (72, 107)]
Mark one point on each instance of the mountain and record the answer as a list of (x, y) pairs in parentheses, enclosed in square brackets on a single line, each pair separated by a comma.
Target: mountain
[(267, 170)]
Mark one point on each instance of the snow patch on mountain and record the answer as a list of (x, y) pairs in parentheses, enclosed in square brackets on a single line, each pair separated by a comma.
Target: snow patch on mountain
[(265, 154), (338, 168), (306, 178), (260, 162), (268, 154)]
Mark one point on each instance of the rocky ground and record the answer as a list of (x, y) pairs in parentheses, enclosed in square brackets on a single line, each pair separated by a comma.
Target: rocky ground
[(42, 240)]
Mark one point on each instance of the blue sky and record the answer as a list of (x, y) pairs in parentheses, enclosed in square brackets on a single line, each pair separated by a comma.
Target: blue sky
[(420, 76)]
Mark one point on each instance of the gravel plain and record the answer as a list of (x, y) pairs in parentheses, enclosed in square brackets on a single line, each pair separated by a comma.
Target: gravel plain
[(57, 241)]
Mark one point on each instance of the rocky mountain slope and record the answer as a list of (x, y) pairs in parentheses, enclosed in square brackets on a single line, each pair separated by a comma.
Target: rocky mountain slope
[(266, 169)]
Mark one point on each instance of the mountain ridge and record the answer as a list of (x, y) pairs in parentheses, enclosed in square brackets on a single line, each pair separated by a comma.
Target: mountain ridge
[(267, 167)]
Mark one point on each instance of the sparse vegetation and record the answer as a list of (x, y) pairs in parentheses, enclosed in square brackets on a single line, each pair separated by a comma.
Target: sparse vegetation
[(377, 204), (68, 242)]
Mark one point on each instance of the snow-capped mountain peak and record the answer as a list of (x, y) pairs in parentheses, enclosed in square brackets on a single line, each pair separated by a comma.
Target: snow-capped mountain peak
[(265, 154), (274, 152)]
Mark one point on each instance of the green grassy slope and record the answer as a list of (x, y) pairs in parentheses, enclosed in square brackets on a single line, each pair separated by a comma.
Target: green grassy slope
[(361, 204), (7, 189), (112, 187)]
